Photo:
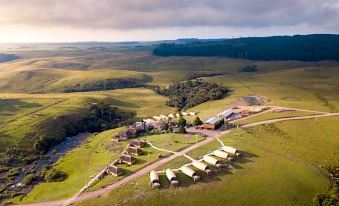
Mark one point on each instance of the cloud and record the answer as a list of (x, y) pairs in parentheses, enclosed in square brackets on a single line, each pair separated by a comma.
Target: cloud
[(153, 14)]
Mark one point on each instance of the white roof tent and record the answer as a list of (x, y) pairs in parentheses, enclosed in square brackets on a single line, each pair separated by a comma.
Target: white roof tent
[(226, 113), (222, 154), (211, 160), (172, 177), (213, 120), (231, 150), (191, 173), (201, 166), (155, 183)]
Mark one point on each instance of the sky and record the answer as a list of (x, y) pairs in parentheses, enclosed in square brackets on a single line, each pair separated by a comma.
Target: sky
[(145, 20)]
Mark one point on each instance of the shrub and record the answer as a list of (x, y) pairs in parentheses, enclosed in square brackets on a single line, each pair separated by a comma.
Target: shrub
[(54, 175), (197, 121), (29, 179)]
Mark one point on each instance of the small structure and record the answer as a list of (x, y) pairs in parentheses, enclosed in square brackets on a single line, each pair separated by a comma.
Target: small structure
[(155, 183), (114, 170), (226, 114), (184, 113), (177, 114), (137, 143), (191, 173), (127, 158), (213, 120), (134, 150), (172, 177), (163, 117), (231, 150), (192, 113), (206, 126), (213, 161), (221, 154), (148, 121), (157, 118), (125, 134), (171, 116), (141, 127), (201, 166)]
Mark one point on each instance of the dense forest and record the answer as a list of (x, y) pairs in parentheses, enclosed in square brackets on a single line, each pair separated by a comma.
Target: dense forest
[(108, 84), (190, 93), (8, 57), (314, 47)]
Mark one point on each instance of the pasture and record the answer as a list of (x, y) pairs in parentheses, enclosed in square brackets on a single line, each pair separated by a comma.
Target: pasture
[(280, 167)]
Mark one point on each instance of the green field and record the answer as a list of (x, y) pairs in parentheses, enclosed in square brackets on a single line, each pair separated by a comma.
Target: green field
[(280, 167), (21, 113), (95, 155), (272, 115), (283, 156)]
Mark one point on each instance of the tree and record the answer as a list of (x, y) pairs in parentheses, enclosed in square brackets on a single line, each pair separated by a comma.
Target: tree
[(182, 124), (182, 121), (197, 121)]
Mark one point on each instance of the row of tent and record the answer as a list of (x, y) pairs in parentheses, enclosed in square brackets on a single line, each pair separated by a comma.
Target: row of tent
[(222, 153)]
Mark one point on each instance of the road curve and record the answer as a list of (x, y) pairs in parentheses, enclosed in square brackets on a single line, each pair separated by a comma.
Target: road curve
[(154, 165)]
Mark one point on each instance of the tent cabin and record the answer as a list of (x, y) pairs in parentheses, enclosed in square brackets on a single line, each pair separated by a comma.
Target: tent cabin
[(191, 173), (177, 114), (171, 116), (157, 118), (172, 177), (201, 166), (221, 154), (192, 113), (134, 150), (184, 113), (213, 161), (163, 117), (114, 170), (127, 159), (231, 150), (206, 126), (155, 183), (137, 143)]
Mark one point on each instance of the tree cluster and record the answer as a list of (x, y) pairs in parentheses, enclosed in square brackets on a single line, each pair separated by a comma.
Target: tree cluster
[(108, 84), (190, 93), (314, 47)]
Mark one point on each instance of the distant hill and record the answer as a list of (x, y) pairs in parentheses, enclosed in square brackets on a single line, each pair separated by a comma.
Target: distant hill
[(8, 57), (313, 47)]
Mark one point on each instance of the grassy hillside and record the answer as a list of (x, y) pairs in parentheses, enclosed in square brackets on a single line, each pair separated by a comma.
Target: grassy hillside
[(20, 113), (280, 167)]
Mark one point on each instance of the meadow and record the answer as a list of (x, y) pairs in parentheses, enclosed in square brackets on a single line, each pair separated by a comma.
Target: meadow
[(94, 155), (281, 156), (280, 167)]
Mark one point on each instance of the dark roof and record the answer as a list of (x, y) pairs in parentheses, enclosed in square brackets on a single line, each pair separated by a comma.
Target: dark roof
[(127, 157), (137, 143), (114, 169), (134, 150)]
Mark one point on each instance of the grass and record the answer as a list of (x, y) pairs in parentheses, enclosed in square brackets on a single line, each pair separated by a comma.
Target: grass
[(280, 167), (272, 115), (79, 164), (20, 113), (93, 156), (172, 142)]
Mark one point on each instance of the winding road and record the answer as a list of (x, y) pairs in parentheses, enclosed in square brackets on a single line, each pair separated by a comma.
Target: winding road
[(211, 136)]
